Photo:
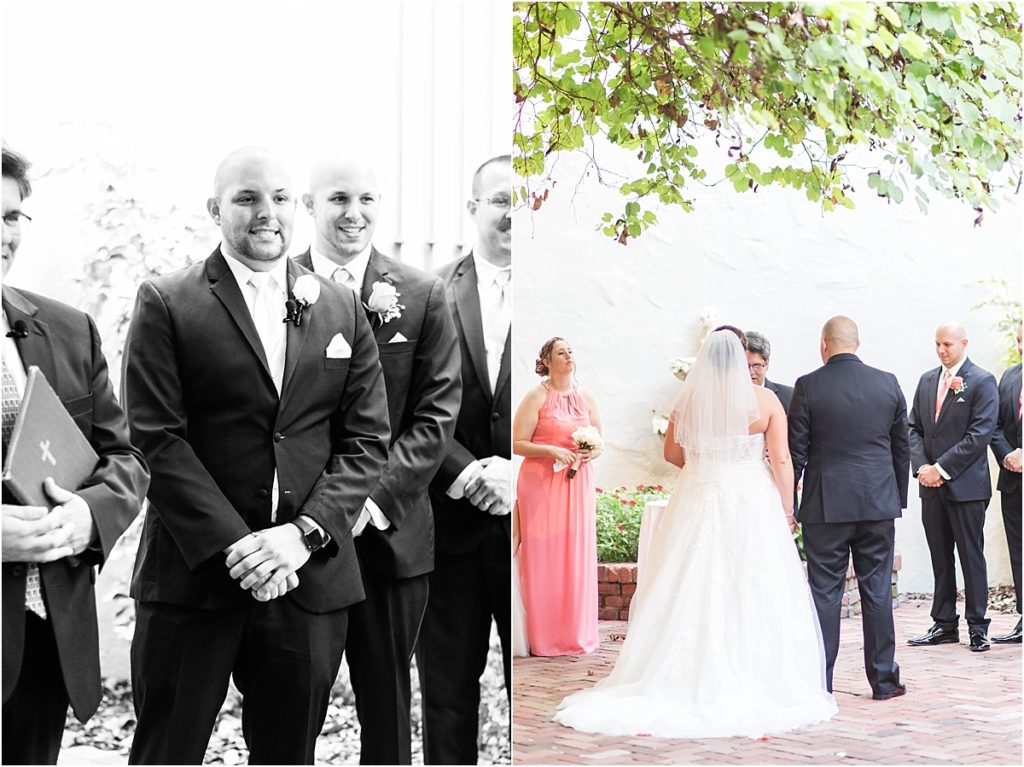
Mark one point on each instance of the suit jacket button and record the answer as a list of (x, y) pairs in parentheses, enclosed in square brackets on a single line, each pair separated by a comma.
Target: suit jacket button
[(495, 416), (262, 492), (18, 570), (278, 436)]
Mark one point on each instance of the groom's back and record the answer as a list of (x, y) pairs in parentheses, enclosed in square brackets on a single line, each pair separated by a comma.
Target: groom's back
[(848, 435)]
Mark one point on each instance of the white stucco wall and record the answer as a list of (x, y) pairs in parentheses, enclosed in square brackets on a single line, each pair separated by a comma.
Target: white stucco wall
[(769, 262)]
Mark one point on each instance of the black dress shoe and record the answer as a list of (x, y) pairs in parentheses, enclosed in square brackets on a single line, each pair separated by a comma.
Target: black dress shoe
[(901, 690), (979, 643), (1012, 638), (936, 635)]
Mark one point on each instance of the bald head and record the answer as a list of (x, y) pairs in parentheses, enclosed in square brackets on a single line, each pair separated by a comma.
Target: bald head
[(344, 200), (839, 336), (254, 207), (244, 163), (950, 343)]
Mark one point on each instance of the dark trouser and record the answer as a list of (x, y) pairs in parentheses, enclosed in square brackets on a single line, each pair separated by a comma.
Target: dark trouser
[(829, 546), (947, 524), (466, 592), (1011, 503), (284, 661), (34, 715), (382, 633)]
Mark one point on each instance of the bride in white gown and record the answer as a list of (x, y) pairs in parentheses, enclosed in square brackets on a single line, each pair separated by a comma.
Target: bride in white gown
[(723, 637)]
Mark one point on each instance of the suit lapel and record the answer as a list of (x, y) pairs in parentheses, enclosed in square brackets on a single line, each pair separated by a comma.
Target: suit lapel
[(37, 349), (295, 336), (376, 271), (1015, 384), (467, 302), (225, 288), (505, 371)]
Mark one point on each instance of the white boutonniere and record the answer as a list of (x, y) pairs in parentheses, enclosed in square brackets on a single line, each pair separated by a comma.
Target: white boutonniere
[(384, 302), (305, 292)]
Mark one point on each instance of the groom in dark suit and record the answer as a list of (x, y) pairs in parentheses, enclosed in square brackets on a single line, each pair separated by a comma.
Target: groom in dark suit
[(1006, 446), (951, 425), (471, 495), (420, 355), (50, 635), (848, 437), (264, 438)]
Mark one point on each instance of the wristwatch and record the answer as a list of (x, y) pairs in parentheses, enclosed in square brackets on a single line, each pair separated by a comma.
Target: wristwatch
[(313, 535)]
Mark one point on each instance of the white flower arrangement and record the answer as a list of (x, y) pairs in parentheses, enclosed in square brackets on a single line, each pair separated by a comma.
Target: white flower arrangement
[(586, 438)]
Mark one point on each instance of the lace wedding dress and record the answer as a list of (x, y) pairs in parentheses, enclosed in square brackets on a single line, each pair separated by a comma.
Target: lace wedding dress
[(723, 637)]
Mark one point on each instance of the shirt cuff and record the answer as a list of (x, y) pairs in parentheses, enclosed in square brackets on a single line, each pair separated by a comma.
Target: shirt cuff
[(457, 489), (942, 472), (377, 517)]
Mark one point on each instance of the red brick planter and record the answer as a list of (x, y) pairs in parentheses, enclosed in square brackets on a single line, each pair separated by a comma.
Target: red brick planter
[(616, 584)]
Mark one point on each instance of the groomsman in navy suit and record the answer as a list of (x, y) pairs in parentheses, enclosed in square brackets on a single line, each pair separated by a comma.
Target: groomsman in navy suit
[(419, 352), (848, 437), (50, 635), (471, 494), (1006, 446), (951, 425)]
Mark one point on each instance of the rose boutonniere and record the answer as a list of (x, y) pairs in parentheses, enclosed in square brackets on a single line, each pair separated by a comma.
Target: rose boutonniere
[(384, 302), (305, 292), (957, 385)]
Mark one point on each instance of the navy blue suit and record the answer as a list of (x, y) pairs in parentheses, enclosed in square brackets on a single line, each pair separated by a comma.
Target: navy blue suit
[(848, 438), (1005, 440), (954, 513)]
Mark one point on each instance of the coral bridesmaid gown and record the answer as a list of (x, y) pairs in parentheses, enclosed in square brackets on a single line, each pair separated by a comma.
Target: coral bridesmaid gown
[(558, 557)]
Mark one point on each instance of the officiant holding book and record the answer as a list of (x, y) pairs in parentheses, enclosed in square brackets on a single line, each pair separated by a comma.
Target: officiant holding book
[(50, 635)]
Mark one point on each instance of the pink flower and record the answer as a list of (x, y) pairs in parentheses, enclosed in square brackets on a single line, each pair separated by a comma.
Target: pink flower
[(622, 527), (957, 385)]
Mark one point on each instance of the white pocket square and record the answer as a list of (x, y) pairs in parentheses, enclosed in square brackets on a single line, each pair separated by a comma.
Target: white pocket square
[(398, 339), (960, 399), (338, 348)]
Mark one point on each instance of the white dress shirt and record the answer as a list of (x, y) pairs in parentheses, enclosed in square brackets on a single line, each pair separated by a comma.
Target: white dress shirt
[(274, 344), (325, 267)]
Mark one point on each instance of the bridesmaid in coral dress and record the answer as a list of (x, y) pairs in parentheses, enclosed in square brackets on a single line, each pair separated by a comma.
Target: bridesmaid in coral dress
[(558, 550)]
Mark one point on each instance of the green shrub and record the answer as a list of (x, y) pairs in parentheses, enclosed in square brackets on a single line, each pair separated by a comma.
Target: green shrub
[(619, 513)]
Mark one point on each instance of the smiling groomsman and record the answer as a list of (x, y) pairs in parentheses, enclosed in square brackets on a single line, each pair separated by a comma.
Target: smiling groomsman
[(472, 499), (951, 425), (419, 352), (264, 438), (1006, 446)]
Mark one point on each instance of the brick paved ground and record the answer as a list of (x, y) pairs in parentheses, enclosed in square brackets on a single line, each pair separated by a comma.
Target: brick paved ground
[(960, 708)]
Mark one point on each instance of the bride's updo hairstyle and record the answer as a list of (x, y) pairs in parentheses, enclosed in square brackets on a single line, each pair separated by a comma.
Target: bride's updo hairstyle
[(544, 356), (739, 334)]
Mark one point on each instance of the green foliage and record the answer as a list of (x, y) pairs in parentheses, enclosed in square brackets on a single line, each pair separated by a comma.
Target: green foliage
[(930, 92), (619, 514), (1010, 315)]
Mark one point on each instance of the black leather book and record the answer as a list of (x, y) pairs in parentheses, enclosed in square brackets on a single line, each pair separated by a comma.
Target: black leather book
[(45, 443)]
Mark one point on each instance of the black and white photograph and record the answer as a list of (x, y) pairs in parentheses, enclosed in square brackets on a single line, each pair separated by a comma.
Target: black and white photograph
[(261, 255)]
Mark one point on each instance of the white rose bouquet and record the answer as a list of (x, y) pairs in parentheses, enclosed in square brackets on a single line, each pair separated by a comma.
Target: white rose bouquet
[(586, 438)]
